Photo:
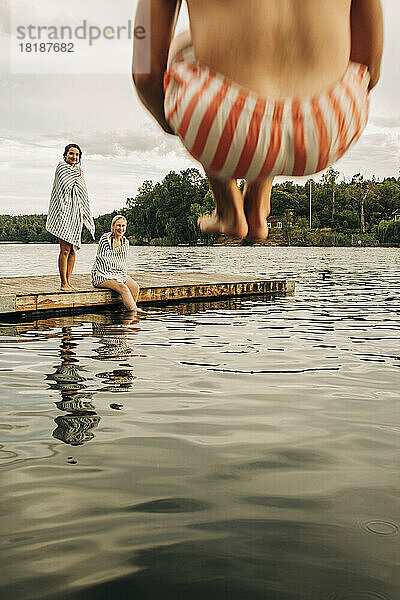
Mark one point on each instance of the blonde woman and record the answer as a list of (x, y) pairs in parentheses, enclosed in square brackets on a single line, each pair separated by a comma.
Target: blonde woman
[(110, 269)]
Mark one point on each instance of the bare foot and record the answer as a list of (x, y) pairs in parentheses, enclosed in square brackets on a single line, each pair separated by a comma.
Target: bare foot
[(257, 206), (228, 226), (68, 288), (135, 311), (229, 217), (133, 315)]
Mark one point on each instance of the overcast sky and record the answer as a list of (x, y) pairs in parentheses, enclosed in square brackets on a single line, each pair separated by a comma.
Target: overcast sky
[(42, 111)]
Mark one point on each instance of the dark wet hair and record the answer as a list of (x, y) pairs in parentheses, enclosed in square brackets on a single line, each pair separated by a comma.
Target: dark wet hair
[(68, 148)]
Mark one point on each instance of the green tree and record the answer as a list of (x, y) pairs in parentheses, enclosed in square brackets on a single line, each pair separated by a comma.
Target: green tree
[(389, 232)]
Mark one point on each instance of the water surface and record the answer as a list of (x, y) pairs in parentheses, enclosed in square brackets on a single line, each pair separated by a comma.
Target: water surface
[(240, 449)]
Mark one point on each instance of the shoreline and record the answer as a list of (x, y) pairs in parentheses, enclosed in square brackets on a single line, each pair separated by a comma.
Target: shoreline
[(216, 244)]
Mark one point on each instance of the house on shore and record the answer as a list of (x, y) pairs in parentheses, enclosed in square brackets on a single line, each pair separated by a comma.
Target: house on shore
[(396, 214), (275, 222)]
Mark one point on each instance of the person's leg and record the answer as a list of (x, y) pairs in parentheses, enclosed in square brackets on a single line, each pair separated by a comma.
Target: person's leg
[(257, 206), (229, 217), (122, 290), (134, 287), (70, 266), (63, 265)]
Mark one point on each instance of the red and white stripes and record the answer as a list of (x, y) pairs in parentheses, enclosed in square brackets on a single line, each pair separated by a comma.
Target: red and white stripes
[(236, 134)]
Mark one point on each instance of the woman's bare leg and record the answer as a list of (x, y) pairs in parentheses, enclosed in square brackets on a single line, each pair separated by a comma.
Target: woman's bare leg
[(257, 206), (122, 290), (134, 287), (70, 266), (65, 249), (229, 217)]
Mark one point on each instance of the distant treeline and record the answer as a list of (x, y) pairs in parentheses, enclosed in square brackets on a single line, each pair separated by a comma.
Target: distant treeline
[(167, 212)]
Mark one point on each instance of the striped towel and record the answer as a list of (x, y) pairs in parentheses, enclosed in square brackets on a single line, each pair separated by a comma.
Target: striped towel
[(69, 207), (235, 133), (110, 263)]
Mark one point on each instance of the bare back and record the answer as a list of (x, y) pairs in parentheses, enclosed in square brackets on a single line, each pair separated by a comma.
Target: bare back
[(276, 48)]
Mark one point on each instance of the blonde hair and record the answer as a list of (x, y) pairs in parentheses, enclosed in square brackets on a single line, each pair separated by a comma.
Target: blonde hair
[(117, 218)]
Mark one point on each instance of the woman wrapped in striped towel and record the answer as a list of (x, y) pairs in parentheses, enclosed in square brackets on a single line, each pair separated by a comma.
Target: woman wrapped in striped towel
[(69, 210), (110, 269), (259, 89)]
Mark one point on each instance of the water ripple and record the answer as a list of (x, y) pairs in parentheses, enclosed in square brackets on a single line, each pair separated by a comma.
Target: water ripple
[(380, 527)]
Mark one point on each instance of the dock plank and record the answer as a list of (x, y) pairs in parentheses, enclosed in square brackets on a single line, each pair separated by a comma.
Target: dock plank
[(40, 293)]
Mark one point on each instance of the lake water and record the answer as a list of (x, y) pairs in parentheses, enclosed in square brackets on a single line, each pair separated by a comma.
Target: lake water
[(241, 450)]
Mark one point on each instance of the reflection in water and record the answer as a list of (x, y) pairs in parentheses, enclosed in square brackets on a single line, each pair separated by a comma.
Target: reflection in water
[(76, 402), (76, 426), (113, 339), (75, 429), (114, 345), (117, 380), (204, 306)]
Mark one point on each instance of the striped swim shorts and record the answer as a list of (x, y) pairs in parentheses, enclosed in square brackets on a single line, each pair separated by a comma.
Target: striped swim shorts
[(234, 133)]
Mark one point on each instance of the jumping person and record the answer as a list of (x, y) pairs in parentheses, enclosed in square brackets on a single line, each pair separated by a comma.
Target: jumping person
[(110, 269), (258, 89), (69, 210)]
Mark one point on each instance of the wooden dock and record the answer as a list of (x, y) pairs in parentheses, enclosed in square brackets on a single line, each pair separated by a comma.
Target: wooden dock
[(20, 295)]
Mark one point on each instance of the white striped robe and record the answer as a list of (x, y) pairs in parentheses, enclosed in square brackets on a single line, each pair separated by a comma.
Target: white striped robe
[(69, 207), (110, 263), (234, 133)]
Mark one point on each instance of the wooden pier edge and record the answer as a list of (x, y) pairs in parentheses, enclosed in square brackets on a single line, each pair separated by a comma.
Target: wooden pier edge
[(37, 294)]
